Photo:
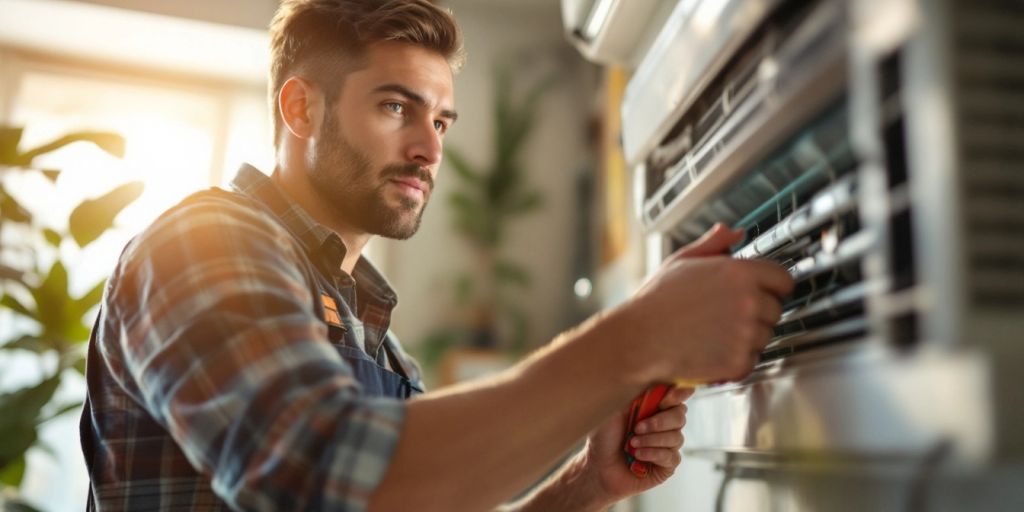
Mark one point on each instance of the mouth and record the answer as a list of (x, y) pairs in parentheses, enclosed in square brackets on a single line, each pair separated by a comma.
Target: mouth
[(410, 185)]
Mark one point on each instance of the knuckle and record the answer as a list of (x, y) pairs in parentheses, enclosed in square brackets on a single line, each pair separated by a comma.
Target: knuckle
[(746, 333), (677, 439), (680, 418), (653, 424), (739, 271), (731, 271), (679, 413), (748, 306), (658, 423)]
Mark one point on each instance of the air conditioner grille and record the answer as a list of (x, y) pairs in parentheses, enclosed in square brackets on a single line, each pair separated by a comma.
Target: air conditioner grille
[(989, 72)]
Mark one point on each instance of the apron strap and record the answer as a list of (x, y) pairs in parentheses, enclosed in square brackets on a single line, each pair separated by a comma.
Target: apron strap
[(393, 359)]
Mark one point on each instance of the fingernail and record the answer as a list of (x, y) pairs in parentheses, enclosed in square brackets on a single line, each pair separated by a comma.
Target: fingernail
[(640, 428), (635, 441)]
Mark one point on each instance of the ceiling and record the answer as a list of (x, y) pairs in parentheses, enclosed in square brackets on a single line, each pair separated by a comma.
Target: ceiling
[(140, 40), (254, 14), (257, 13), (223, 39)]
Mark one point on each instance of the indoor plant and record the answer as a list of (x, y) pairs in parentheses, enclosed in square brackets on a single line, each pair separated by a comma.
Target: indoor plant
[(54, 324)]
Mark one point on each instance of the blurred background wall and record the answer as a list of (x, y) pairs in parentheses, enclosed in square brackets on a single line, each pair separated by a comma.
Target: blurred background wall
[(527, 37)]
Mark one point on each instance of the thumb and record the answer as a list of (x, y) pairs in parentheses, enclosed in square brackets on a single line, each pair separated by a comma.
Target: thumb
[(715, 242)]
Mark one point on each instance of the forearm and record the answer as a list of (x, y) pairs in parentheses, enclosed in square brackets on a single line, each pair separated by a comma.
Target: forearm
[(479, 446), (571, 488)]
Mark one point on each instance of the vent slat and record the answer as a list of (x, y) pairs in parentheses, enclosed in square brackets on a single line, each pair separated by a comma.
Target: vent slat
[(989, 70)]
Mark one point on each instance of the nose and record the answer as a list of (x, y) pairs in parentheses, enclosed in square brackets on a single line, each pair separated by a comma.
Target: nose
[(425, 145)]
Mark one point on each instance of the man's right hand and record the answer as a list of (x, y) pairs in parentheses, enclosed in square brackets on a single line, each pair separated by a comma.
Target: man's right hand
[(704, 316)]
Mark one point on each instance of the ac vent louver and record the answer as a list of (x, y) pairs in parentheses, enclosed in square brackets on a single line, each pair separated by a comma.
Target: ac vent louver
[(989, 73)]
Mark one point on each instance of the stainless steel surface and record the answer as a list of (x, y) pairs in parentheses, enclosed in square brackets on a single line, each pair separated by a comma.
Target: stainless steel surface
[(610, 31), (694, 42), (866, 408), (776, 108)]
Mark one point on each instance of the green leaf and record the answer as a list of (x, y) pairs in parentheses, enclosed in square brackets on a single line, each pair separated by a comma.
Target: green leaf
[(12, 274), (22, 407), (52, 300), (62, 410), (520, 327), (45, 447), (10, 137), (71, 356), (56, 311), (12, 474), (94, 216), (52, 237), (480, 229), (86, 302), (17, 505), (469, 227), (464, 287), (30, 343), (461, 166), (471, 218), (15, 305), (16, 440), (433, 348), (508, 272), (75, 330), (79, 366), (11, 210), (110, 142), (20, 413), (525, 202), (464, 204)]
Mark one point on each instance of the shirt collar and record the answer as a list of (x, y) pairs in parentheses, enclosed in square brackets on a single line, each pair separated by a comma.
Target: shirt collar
[(320, 243)]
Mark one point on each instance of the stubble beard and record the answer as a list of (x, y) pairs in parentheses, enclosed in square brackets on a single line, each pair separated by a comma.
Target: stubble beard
[(343, 177)]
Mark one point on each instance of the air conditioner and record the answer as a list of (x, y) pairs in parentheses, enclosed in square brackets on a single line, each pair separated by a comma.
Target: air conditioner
[(874, 148), (612, 31)]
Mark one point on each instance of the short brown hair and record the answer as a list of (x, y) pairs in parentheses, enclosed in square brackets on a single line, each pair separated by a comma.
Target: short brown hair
[(325, 39)]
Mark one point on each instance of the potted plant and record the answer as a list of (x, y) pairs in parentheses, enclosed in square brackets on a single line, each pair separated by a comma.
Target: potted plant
[(490, 196), (40, 297)]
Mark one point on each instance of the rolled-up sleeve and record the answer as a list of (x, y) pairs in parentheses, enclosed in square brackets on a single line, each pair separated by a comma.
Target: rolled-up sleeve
[(219, 336)]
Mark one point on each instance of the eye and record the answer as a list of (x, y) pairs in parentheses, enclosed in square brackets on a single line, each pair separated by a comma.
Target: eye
[(440, 126), (395, 108)]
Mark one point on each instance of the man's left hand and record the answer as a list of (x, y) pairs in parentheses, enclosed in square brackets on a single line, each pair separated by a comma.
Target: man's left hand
[(657, 439)]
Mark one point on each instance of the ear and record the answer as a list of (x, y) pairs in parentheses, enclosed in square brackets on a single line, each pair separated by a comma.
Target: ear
[(301, 107)]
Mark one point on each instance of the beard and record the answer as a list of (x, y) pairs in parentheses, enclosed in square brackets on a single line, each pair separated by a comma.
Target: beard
[(346, 182)]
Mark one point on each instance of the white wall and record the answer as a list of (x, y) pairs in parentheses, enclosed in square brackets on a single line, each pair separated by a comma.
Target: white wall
[(421, 268)]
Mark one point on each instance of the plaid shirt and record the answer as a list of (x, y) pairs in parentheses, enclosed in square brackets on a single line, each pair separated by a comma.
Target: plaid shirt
[(214, 379)]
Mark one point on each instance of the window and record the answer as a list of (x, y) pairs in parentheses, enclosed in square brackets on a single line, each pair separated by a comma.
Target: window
[(180, 137)]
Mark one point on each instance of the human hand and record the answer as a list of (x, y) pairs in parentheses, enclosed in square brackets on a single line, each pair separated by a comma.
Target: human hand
[(704, 316), (658, 440)]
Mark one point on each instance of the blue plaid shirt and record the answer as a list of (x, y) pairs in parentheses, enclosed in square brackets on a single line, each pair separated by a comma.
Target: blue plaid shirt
[(214, 381)]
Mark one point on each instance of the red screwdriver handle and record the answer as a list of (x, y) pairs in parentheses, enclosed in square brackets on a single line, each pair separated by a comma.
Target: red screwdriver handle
[(643, 407)]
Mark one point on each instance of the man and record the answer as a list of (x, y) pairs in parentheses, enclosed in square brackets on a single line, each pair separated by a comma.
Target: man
[(242, 358)]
